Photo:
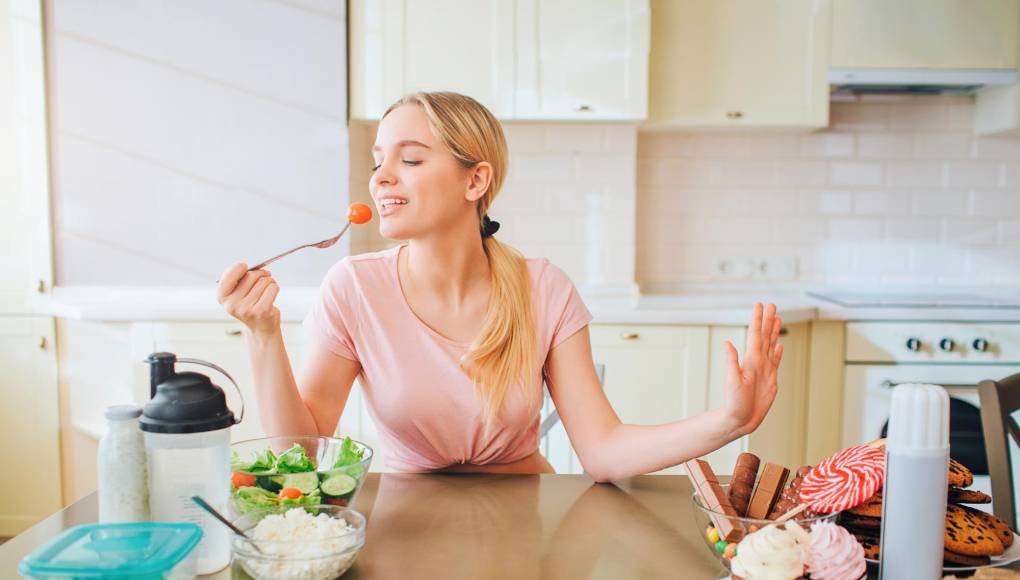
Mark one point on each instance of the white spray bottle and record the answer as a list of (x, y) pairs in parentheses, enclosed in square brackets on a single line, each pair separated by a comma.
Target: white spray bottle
[(916, 473)]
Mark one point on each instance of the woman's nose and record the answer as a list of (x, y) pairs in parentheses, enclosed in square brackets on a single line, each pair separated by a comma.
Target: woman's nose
[(383, 175)]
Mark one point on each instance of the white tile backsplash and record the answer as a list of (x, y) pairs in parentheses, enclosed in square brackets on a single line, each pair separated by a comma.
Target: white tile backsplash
[(896, 191)]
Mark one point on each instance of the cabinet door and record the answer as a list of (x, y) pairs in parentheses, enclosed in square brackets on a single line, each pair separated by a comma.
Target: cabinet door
[(782, 437), (969, 34), (653, 374), (740, 63), (29, 423), (402, 46), (582, 59)]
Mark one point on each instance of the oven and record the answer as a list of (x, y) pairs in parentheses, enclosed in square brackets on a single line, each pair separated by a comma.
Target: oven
[(955, 355)]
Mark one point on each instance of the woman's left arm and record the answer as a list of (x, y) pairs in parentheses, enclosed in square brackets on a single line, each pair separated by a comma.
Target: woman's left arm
[(610, 450)]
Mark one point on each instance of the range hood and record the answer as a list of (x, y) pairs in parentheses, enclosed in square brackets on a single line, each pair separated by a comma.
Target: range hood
[(917, 81)]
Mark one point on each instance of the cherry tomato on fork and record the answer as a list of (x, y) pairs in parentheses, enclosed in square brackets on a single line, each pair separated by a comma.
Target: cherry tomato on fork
[(359, 213)]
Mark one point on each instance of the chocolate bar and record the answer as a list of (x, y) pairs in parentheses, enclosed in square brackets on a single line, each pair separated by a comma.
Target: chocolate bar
[(742, 483), (770, 486), (714, 498)]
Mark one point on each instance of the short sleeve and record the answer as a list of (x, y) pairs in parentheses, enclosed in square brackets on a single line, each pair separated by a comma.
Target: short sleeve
[(332, 320), (563, 308)]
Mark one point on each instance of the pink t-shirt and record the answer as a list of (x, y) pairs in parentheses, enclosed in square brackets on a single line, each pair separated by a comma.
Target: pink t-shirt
[(427, 411)]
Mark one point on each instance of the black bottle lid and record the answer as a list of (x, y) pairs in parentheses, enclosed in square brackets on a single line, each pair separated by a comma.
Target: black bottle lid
[(185, 402)]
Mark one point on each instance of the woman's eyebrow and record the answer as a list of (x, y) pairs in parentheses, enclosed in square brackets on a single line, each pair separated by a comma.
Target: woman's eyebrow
[(408, 143)]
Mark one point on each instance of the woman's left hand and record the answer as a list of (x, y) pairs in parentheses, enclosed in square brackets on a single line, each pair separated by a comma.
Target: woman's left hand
[(751, 387)]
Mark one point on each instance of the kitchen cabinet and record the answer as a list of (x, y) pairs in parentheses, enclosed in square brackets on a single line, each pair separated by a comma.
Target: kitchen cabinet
[(560, 60), (30, 422), (739, 64), (927, 34), (582, 60)]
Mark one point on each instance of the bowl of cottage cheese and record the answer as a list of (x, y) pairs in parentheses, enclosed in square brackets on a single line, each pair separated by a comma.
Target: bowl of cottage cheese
[(317, 542)]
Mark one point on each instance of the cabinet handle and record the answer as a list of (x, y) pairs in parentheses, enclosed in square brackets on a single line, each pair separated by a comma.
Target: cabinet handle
[(233, 332), (629, 335), (42, 343), (734, 114), (41, 287), (583, 109), (783, 331)]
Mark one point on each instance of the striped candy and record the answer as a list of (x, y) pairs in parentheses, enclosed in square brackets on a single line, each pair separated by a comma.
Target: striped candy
[(844, 480)]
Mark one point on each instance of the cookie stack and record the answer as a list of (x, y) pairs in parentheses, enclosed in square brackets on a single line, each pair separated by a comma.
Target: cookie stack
[(972, 536)]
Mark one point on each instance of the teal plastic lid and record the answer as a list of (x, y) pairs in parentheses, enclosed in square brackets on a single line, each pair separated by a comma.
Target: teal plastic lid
[(139, 550)]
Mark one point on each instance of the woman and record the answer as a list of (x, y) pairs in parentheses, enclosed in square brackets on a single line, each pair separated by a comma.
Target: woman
[(453, 332)]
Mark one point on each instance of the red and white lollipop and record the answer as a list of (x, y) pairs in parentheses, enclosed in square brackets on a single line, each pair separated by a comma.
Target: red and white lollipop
[(843, 481)]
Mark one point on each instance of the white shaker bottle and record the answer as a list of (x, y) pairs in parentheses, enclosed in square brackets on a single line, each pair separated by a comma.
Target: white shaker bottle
[(186, 428), (916, 473)]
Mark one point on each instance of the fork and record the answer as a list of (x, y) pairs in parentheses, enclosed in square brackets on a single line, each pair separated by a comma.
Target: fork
[(323, 244), (357, 213)]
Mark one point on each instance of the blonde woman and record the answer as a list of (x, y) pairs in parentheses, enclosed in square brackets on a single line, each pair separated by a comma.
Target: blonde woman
[(453, 332)]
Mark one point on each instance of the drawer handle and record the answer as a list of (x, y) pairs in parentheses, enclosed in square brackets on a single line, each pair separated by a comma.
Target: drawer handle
[(42, 343), (734, 115), (583, 108), (233, 332), (629, 335), (783, 331)]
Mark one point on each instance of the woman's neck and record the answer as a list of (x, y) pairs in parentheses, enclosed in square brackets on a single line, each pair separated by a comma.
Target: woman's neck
[(446, 268)]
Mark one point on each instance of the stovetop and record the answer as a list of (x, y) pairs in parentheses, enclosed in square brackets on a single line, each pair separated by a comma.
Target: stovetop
[(851, 299)]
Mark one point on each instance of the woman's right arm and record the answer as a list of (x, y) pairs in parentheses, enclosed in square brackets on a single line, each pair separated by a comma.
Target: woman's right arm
[(285, 408)]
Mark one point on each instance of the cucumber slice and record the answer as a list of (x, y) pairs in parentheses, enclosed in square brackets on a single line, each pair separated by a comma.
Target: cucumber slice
[(338, 484), (269, 482), (307, 482)]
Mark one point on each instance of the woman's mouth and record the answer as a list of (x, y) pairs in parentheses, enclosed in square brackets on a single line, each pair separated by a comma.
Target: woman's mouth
[(390, 204)]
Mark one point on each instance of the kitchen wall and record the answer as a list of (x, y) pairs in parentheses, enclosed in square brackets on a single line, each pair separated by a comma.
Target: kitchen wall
[(569, 196), (219, 128), (896, 192)]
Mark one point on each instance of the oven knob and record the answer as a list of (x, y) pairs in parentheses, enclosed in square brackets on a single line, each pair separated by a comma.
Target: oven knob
[(914, 344), (980, 345), (947, 344)]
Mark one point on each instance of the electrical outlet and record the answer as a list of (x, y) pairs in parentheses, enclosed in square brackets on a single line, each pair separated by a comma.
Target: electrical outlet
[(775, 268), (731, 268)]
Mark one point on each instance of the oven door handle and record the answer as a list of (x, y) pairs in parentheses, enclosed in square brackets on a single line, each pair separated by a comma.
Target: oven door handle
[(887, 384)]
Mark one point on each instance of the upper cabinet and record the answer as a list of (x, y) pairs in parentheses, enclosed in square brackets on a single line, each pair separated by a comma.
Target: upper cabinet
[(583, 60), (523, 59), (934, 34), (740, 63)]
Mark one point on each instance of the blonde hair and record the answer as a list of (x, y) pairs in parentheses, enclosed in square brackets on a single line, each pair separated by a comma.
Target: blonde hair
[(505, 352)]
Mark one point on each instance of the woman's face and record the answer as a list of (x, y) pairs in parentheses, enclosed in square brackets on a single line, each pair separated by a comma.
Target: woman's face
[(418, 185)]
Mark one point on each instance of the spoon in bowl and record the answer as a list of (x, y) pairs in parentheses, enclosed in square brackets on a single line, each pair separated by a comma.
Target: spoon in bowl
[(202, 504)]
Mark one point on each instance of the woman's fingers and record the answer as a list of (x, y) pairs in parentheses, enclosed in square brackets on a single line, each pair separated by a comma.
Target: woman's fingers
[(265, 302), (732, 362), (229, 279), (245, 286), (753, 343), (777, 327)]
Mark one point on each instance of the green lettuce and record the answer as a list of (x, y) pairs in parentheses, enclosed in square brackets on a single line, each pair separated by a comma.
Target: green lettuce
[(349, 454), (253, 498), (294, 460), (265, 462)]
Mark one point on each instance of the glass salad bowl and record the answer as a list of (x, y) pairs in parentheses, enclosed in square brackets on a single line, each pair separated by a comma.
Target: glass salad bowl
[(285, 472)]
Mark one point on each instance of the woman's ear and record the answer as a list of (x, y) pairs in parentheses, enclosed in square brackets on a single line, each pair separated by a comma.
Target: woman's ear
[(479, 179)]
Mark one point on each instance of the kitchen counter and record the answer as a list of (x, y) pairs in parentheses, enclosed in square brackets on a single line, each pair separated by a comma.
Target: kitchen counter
[(496, 526), (703, 306)]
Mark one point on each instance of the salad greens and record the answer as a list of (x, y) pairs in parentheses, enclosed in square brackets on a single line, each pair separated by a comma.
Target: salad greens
[(291, 479)]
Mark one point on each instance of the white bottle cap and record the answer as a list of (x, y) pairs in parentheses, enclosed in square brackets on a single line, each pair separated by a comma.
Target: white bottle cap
[(122, 412), (919, 419)]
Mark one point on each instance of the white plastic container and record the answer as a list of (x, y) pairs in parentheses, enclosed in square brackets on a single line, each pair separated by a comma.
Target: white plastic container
[(121, 468), (914, 499)]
